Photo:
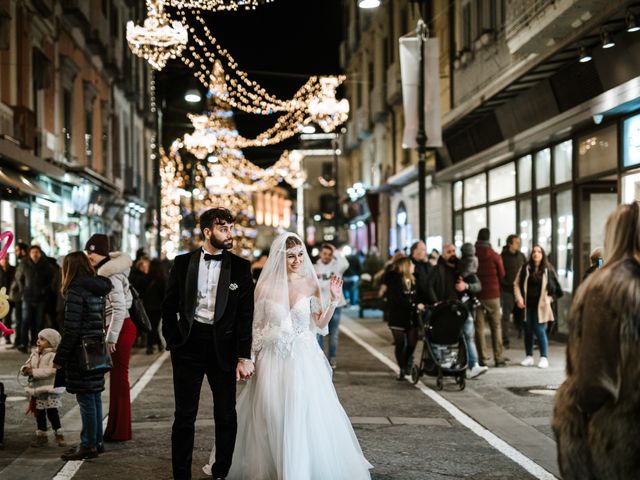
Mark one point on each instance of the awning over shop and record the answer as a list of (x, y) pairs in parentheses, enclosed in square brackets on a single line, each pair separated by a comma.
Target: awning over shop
[(25, 185)]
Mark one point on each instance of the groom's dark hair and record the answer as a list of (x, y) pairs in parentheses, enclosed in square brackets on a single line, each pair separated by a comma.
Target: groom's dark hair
[(216, 216)]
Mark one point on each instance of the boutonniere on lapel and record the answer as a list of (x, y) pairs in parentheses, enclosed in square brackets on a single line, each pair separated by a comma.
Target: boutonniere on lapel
[(233, 286)]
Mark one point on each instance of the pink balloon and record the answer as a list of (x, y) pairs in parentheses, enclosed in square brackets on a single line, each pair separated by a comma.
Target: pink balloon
[(9, 237)]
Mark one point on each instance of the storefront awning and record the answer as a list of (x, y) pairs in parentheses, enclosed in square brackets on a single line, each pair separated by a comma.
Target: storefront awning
[(25, 185)]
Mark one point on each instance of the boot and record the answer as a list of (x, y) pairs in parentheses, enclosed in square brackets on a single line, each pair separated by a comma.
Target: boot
[(79, 453), (60, 438), (40, 439)]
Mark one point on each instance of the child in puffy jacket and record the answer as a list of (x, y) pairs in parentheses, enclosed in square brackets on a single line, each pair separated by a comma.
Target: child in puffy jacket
[(45, 398)]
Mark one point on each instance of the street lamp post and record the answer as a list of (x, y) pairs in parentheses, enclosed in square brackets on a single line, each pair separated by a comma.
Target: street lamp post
[(421, 138)]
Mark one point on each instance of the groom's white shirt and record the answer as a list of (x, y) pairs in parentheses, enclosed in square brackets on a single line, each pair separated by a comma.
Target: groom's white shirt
[(208, 276)]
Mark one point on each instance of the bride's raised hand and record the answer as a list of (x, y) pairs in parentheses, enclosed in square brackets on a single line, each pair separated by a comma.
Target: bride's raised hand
[(335, 288)]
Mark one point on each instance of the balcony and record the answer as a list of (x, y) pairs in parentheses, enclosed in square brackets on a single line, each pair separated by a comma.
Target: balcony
[(394, 84), (76, 12), (6, 121), (533, 25), (378, 103), (24, 127)]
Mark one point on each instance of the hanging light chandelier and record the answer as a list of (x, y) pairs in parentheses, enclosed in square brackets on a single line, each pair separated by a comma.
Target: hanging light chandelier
[(159, 38), (325, 109)]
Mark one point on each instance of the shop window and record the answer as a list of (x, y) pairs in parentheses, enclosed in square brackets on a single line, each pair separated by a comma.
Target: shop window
[(598, 152), (457, 195), (524, 174), (562, 154), (525, 228), (543, 168), (502, 223), (544, 226), (632, 141), (564, 262), (502, 182), (631, 188), (474, 220), (475, 190)]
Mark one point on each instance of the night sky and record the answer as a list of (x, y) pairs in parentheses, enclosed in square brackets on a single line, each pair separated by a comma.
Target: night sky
[(279, 44)]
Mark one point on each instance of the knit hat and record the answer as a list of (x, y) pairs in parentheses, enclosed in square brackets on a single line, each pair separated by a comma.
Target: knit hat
[(98, 243), (52, 336)]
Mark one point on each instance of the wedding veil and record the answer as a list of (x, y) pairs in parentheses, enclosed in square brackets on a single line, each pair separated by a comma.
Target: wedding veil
[(273, 298)]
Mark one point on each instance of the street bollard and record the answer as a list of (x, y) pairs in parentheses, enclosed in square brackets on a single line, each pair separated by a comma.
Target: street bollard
[(3, 400)]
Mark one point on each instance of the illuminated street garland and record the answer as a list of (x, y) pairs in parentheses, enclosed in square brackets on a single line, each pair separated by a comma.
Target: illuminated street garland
[(229, 5)]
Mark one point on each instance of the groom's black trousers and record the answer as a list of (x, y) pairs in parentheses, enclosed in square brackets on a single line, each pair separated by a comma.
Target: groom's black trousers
[(191, 362)]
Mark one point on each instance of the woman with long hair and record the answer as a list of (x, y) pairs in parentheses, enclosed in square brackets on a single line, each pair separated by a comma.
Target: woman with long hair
[(535, 287), (152, 298), (596, 408), (84, 300), (290, 421), (402, 314)]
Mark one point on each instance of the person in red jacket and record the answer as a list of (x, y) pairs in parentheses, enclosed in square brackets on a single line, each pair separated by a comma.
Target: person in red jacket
[(490, 272)]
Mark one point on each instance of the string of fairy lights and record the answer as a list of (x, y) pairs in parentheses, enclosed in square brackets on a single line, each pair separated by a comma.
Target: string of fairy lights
[(218, 172)]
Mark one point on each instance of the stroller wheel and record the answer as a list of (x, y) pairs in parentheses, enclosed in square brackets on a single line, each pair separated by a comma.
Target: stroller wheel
[(415, 374), (461, 381), (439, 383)]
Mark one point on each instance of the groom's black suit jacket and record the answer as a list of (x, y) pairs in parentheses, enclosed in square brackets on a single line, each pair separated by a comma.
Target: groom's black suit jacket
[(233, 310)]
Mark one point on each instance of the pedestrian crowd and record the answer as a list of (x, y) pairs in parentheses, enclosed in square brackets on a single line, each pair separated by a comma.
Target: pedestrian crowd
[(65, 318), (75, 323)]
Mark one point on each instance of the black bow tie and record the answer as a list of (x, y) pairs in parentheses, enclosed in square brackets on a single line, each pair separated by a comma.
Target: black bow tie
[(217, 257)]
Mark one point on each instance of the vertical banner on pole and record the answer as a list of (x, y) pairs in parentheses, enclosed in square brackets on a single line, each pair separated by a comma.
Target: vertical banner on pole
[(409, 65)]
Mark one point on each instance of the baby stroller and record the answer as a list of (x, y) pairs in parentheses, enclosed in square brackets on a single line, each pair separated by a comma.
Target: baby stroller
[(444, 352)]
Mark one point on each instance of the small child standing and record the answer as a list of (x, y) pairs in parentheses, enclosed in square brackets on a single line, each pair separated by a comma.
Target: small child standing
[(47, 399)]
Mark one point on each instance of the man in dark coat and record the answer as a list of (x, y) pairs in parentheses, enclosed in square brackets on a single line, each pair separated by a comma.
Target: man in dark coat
[(512, 259), (422, 272), (207, 320), (490, 272), (34, 277)]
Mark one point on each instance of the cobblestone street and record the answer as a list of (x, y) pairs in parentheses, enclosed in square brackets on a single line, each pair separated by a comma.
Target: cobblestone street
[(495, 429)]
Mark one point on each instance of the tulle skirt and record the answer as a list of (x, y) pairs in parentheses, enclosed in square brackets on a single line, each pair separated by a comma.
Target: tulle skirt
[(291, 425)]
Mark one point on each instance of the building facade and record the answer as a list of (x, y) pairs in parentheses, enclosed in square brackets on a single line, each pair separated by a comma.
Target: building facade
[(76, 125), (540, 104)]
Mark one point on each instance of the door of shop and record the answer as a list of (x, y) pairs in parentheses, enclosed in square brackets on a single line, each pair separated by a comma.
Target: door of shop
[(596, 201)]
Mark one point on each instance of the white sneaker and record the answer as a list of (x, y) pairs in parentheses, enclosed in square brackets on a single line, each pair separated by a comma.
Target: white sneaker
[(476, 371), (543, 363), (527, 362)]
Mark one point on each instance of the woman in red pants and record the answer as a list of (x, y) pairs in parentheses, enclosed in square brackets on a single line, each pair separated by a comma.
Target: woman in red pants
[(121, 333)]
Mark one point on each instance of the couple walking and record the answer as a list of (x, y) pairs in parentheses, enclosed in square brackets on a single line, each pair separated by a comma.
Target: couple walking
[(289, 423)]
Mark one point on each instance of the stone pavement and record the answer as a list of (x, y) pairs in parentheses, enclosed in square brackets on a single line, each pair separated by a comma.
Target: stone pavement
[(406, 432)]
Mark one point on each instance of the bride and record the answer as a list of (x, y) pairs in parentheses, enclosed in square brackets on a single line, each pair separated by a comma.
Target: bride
[(291, 425)]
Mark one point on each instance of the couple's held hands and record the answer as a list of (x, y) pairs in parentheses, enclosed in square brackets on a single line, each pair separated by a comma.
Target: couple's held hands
[(245, 369), (335, 288), (111, 346), (520, 304)]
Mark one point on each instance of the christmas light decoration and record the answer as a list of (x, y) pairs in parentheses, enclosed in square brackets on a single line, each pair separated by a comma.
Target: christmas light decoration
[(219, 4), (159, 38), (325, 109)]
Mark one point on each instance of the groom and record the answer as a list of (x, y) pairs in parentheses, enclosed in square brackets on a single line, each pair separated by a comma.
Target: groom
[(206, 321)]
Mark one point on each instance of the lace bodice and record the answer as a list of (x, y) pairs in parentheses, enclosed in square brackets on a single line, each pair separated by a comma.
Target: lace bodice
[(274, 325)]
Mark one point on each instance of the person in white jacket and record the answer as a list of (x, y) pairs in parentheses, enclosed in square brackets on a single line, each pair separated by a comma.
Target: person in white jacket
[(45, 398), (331, 263), (121, 332)]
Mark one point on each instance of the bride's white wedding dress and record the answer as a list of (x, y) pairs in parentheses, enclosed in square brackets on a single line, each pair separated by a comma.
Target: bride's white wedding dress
[(291, 425)]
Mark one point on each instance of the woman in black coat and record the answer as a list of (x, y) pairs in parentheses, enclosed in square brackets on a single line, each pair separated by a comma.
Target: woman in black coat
[(152, 299), (84, 304), (399, 290)]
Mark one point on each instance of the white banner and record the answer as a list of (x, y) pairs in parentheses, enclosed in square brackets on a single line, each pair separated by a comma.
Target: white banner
[(409, 68)]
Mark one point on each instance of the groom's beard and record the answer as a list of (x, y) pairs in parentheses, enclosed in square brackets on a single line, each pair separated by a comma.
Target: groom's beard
[(218, 245)]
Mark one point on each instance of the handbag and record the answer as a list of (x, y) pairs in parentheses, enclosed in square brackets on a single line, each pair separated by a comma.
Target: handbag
[(93, 355), (138, 313)]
